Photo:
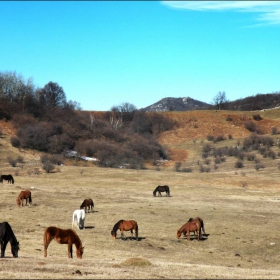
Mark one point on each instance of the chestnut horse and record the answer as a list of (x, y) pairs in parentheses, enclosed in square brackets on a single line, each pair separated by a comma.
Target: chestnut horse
[(24, 195), (9, 178), (7, 235), (201, 222), (63, 236), (189, 227), (123, 225), (87, 203)]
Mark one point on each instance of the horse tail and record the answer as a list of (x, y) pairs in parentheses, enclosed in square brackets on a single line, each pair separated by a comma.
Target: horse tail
[(12, 179), (136, 231), (30, 199), (168, 191)]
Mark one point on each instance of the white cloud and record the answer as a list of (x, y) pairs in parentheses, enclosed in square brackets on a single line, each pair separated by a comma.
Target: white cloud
[(269, 11)]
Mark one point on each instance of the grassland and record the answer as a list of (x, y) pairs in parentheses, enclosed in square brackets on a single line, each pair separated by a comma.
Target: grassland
[(240, 208)]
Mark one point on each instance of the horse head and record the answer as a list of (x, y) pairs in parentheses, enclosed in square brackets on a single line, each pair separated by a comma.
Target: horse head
[(178, 234), (15, 249), (80, 252), (18, 202), (114, 234)]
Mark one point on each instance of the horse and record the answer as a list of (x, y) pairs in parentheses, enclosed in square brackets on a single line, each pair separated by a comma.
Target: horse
[(87, 203), (125, 225), (9, 178), (201, 222), (161, 189), (63, 236), (189, 227), (7, 235), (78, 220), (24, 195)]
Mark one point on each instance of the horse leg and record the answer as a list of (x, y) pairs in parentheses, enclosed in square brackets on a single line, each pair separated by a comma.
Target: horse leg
[(47, 241), (159, 193), (122, 235), (70, 250), (189, 235), (3, 248)]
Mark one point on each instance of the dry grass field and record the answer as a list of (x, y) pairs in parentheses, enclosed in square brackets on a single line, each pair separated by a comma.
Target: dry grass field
[(240, 209)]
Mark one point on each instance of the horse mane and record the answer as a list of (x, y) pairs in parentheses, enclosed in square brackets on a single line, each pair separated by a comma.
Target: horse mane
[(116, 226)]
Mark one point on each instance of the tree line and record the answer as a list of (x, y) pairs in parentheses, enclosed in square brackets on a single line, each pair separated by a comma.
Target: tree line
[(47, 122)]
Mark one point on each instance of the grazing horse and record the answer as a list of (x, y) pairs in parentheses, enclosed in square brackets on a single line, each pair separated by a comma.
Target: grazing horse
[(201, 222), (87, 203), (7, 235), (63, 236), (123, 225), (189, 227), (24, 195), (78, 220), (161, 189), (9, 178)]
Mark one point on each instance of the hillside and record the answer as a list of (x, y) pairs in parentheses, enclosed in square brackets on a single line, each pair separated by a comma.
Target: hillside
[(185, 141)]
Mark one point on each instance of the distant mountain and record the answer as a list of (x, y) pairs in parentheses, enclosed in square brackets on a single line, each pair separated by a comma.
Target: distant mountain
[(176, 104)]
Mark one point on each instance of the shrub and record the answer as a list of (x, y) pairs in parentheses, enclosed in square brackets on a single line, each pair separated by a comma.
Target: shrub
[(230, 136), (210, 137), (178, 166), (12, 161), (48, 167), (251, 126), (239, 164), (258, 166), (250, 157), (219, 138), (257, 117), (15, 142), (186, 169), (229, 118)]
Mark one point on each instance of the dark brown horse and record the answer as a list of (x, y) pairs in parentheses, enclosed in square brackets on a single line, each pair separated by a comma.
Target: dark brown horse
[(63, 236), (87, 203), (161, 189), (189, 227), (9, 178), (24, 195), (7, 235), (125, 225)]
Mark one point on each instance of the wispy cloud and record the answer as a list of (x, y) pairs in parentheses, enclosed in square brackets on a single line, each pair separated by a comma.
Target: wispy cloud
[(268, 11)]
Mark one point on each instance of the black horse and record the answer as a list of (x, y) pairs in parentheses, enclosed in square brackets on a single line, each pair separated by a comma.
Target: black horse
[(161, 189), (9, 178), (6, 235)]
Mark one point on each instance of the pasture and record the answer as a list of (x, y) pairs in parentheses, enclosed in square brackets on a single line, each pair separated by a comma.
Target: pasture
[(240, 212)]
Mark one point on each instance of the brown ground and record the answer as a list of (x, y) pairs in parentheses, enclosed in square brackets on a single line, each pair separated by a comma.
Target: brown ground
[(240, 208)]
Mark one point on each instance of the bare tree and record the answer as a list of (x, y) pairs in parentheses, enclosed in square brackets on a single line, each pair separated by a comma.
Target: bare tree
[(220, 100)]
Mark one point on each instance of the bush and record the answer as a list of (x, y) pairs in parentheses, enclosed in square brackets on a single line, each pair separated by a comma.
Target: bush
[(210, 137), (48, 167), (257, 117), (258, 166), (239, 164), (15, 142), (12, 161)]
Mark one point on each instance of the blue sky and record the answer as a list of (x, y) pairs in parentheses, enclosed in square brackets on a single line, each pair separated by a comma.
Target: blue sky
[(104, 53)]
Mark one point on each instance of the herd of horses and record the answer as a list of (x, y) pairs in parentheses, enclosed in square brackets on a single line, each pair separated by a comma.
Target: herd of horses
[(70, 237)]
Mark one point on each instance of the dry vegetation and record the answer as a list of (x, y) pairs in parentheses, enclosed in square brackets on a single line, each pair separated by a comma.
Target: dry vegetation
[(240, 208)]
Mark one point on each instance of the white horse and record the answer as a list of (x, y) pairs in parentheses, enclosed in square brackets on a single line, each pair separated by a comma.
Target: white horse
[(79, 219)]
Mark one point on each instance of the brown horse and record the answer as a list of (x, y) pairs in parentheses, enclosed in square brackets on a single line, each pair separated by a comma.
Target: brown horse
[(201, 222), (189, 227), (63, 236), (87, 203), (24, 195), (123, 225)]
